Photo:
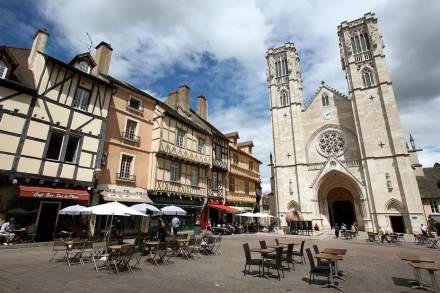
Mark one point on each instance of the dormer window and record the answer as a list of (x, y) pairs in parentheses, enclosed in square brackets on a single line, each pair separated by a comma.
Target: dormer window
[(3, 69), (84, 66)]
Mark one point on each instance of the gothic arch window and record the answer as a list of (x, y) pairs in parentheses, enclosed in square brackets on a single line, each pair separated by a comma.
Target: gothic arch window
[(394, 204), (3, 69), (325, 100), (353, 45), (367, 78), (277, 71), (284, 98), (358, 44), (363, 45), (367, 41)]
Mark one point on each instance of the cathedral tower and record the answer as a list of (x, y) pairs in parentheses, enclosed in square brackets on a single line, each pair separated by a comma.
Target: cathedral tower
[(392, 191), (286, 104)]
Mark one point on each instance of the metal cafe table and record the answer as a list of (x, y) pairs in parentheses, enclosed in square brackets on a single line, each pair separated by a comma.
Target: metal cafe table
[(417, 259), (336, 251), (330, 258), (431, 268), (262, 252)]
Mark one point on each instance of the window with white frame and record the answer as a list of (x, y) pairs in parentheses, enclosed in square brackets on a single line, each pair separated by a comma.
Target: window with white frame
[(201, 145), (131, 129), (72, 149), (434, 207), (84, 66), (175, 171), (126, 166), (194, 176), (367, 77), (3, 69), (55, 145), (81, 99), (180, 138), (135, 103)]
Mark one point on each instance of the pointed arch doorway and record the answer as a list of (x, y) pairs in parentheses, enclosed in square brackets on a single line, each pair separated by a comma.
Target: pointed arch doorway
[(339, 198), (341, 207)]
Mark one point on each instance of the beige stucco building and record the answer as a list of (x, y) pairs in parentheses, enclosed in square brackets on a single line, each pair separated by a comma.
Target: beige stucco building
[(52, 119), (343, 157), (127, 148)]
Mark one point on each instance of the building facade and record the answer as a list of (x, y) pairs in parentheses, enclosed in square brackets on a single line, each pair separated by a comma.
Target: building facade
[(342, 158), (244, 182), (181, 155), (53, 116), (127, 147)]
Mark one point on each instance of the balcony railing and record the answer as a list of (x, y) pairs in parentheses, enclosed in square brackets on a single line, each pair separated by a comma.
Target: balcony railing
[(170, 186), (241, 171), (183, 153), (217, 191), (219, 164), (241, 197), (126, 177), (130, 136), (363, 56)]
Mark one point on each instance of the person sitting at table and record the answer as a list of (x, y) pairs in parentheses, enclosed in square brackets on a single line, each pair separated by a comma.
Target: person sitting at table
[(207, 235), (6, 231), (383, 235)]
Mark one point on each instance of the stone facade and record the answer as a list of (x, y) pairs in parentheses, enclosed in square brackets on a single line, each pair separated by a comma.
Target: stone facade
[(342, 158)]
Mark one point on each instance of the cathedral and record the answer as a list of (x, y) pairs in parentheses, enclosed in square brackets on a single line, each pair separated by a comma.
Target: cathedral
[(342, 158)]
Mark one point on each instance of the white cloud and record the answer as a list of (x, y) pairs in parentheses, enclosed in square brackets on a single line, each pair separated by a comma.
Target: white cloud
[(151, 37)]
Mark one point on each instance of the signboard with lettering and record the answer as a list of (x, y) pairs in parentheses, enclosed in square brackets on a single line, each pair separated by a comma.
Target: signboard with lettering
[(53, 193)]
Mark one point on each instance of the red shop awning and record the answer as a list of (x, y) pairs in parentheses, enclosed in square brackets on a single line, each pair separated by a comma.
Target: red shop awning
[(224, 208), (53, 193)]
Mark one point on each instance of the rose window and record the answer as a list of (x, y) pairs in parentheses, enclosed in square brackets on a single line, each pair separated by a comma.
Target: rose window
[(332, 142)]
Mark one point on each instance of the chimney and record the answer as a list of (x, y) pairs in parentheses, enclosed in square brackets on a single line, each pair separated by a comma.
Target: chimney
[(172, 99), (103, 57), (202, 107), (183, 97), (38, 45)]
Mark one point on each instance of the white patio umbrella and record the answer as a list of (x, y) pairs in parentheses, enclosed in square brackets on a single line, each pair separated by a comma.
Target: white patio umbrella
[(247, 215), (114, 208), (262, 215), (144, 207), (173, 211), (74, 210)]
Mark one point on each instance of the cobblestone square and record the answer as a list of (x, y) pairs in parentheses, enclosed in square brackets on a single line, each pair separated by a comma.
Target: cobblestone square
[(368, 268)]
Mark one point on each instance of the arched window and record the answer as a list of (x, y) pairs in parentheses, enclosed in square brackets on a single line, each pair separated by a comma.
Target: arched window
[(358, 45), (284, 99), (353, 45), (3, 69), (364, 48), (367, 77), (325, 100), (276, 70), (367, 41)]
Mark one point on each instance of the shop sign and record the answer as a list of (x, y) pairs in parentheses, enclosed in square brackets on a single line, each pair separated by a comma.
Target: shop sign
[(52, 195)]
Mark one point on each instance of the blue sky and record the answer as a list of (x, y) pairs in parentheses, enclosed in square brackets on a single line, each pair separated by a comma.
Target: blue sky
[(218, 49)]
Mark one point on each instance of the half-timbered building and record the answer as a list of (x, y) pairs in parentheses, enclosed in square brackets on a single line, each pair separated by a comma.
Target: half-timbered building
[(52, 120), (181, 155)]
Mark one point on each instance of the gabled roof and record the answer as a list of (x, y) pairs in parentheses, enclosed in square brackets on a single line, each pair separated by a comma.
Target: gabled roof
[(318, 90), (245, 143), (83, 56), (130, 87), (20, 72), (232, 134)]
